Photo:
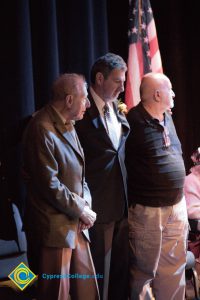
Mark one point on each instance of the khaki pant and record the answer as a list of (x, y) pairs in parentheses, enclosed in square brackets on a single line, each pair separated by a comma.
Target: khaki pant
[(157, 239)]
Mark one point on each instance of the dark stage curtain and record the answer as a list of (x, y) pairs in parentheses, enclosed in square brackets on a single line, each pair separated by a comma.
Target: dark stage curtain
[(42, 38), (177, 27), (39, 40)]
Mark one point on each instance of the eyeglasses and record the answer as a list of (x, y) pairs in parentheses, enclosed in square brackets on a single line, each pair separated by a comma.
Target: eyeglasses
[(166, 138)]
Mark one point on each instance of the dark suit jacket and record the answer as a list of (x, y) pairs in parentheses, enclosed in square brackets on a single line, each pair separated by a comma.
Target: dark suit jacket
[(105, 168), (57, 191)]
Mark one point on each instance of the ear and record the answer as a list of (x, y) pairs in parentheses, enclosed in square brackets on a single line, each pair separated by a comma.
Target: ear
[(69, 101), (157, 95), (99, 78)]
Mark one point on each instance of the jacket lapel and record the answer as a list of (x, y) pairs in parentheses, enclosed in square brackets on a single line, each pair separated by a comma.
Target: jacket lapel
[(122, 119), (66, 131), (120, 116), (94, 114), (97, 122), (73, 141)]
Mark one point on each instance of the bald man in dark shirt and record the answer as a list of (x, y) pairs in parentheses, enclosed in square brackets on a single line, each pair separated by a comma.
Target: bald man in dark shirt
[(157, 215)]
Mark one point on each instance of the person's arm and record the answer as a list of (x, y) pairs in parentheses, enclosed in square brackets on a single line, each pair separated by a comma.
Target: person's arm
[(43, 168), (84, 224), (87, 194), (192, 195)]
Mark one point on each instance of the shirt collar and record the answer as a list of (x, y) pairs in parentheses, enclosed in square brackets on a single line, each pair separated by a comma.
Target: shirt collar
[(59, 114), (148, 118), (99, 101)]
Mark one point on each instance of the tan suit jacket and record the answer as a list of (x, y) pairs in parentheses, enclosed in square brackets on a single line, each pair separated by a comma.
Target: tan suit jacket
[(57, 191)]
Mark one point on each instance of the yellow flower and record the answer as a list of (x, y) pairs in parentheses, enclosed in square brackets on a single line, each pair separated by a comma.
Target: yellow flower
[(122, 107)]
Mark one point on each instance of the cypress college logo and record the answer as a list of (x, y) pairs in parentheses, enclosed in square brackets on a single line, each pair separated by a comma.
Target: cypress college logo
[(22, 276)]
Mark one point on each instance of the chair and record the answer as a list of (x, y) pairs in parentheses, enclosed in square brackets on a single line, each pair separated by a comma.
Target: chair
[(12, 253), (192, 254), (191, 273)]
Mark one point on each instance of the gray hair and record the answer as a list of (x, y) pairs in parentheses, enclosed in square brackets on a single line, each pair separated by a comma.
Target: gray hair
[(66, 84), (105, 64)]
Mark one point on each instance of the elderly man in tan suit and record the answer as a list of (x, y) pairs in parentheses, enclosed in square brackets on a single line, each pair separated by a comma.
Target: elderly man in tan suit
[(58, 211)]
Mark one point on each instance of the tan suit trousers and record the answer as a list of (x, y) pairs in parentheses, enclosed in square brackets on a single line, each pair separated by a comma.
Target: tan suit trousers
[(66, 262)]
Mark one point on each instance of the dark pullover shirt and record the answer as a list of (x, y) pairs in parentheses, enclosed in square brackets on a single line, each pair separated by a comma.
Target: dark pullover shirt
[(156, 170)]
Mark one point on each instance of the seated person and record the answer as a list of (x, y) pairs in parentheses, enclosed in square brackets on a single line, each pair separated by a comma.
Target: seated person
[(192, 195), (192, 187)]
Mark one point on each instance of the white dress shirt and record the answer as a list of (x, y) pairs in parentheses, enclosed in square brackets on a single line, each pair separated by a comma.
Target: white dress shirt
[(100, 105)]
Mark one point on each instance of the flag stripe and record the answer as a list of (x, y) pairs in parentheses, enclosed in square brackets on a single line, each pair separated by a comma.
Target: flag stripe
[(153, 45), (151, 29), (144, 54), (156, 63), (135, 71)]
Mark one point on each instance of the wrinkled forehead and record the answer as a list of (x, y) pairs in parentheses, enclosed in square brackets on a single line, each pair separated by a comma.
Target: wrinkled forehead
[(80, 86)]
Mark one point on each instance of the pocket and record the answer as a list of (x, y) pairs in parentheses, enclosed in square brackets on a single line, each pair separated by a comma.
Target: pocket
[(145, 250)]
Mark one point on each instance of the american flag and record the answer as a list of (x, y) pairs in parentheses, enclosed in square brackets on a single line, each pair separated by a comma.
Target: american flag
[(144, 54)]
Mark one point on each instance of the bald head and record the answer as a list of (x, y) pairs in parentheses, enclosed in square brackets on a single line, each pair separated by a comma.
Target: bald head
[(156, 94), (150, 84)]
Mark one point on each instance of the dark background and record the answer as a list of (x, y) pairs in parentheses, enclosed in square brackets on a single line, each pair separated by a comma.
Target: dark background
[(42, 38)]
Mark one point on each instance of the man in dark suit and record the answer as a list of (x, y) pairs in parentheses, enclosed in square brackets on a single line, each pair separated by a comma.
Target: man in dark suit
[(102, 134), (58, 205)]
